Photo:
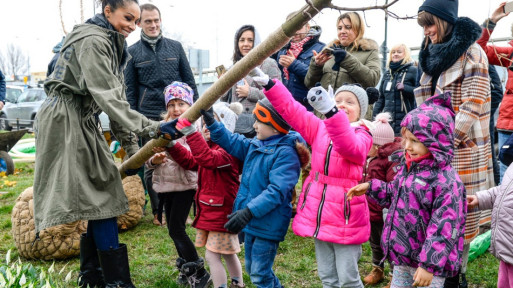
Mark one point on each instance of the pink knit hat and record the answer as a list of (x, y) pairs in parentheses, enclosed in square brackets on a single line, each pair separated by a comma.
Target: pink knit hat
[(382, 132)]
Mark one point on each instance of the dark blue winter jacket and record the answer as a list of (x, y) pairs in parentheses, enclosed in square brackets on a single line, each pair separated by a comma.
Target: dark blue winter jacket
[(148, 73), (297, 70), (270, 173)]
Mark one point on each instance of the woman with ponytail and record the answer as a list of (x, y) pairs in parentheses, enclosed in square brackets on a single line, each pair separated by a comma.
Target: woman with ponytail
[(75, 175)]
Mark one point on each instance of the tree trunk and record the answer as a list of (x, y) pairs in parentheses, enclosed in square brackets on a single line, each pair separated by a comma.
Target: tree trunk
[(257, 55)]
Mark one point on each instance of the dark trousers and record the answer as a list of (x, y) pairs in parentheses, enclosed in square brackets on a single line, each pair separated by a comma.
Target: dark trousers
[(176, 208), (375, 243), (104, 232), (147, 180)]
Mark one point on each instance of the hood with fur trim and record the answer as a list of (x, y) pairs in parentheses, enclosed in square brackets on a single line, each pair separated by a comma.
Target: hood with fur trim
[(364, 44)]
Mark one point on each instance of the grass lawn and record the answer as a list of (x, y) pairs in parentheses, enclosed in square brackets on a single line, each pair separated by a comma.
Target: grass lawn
[(152, 254)]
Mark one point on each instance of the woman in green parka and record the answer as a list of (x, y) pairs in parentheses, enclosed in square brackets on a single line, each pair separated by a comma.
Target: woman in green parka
[(75, 175), (350, 58)]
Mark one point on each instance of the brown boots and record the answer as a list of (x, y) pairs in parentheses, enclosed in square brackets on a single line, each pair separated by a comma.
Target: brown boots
[(375, 276)]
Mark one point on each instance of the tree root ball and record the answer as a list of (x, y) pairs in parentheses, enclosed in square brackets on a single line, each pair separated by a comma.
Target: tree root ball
[(63, 241)]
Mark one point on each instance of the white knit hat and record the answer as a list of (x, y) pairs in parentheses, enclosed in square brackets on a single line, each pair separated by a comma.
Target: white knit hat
[(382, 132), (228, 113)]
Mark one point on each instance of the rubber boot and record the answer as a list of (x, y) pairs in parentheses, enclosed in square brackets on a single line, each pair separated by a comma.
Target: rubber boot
[(463, 281), (116, 271), (90, 274), (452, 282), (182, 279), (196, 274)]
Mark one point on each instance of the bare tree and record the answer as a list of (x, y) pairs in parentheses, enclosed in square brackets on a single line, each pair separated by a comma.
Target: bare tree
[(15, 62)]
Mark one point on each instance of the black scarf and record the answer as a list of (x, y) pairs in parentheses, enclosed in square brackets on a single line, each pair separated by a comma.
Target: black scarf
[(395, 65), (436, 58), (100, 20)]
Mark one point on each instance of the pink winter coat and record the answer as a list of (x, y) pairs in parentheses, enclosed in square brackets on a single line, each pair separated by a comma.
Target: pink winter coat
[(339, 152)]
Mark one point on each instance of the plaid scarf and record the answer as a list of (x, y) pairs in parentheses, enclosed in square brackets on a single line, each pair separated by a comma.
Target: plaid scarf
[(295, 48)]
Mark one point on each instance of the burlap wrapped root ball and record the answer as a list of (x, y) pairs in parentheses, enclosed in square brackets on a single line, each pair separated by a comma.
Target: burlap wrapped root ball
[(134, 191), (63, 241), (58, 242)]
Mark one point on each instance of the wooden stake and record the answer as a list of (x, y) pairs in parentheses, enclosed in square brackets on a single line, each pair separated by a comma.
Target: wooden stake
[(257, 55)]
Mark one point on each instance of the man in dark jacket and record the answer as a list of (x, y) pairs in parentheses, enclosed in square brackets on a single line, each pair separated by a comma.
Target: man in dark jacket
[(156, 62), (294, 59), (57, 51)]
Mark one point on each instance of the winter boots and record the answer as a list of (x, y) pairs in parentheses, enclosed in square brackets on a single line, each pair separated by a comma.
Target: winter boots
[(116, 271), (196, 274), (375, 276), (182, 279), (90, 274)]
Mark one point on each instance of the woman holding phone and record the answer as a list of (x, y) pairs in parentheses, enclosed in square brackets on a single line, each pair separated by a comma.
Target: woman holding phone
[(247, 91), (349, 59)]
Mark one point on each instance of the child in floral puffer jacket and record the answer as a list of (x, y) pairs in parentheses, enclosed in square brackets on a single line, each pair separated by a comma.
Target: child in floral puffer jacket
[(424, 231), (339, 148)]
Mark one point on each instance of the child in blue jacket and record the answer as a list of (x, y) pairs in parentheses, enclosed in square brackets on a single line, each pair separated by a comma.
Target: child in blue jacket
[(262, 208)]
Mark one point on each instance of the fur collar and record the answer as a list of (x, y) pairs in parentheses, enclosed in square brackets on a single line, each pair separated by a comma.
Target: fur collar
[(364, 44), (436, 58)]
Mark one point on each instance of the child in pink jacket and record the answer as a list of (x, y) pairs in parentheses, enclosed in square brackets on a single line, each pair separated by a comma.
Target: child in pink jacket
[(340, 144)]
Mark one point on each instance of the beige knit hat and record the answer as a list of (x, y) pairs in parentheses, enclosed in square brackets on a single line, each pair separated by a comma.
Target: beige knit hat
[(382, 132)]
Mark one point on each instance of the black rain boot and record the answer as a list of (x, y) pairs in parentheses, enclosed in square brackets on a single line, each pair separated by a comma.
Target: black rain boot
[(463, 281), (90, 274), (182, 278), (196, 274), (116, 271), (452, 282)]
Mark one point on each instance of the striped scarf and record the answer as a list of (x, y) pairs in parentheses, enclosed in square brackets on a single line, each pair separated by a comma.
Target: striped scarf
[(296, 49)]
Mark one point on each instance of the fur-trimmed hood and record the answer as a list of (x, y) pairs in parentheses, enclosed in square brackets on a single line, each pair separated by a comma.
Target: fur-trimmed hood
[(304, 154), (436, 58), (364, 44)]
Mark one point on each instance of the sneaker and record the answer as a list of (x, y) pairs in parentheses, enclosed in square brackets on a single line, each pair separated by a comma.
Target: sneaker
[(375, 276), (235, 284)]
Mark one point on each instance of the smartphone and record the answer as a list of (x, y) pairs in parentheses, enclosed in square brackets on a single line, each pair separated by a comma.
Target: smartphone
[(220, 70), (327, 51), (240, 82), (508, 7)]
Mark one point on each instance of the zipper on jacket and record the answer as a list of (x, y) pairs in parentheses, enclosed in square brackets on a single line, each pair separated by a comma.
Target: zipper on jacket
[(306, 194), (498, 218), (321, 204), (142, 98), (347, 209)]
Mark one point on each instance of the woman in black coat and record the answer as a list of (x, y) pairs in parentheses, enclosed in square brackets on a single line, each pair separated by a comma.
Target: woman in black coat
[(396, 87)]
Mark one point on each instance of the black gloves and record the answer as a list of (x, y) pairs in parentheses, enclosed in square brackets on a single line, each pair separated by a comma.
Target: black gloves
[(168, 130), (340, 55), (208, 116), (372, 94), (238, 220)]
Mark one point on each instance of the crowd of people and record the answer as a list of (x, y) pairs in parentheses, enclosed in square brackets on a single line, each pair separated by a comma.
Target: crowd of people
[(407, 167)]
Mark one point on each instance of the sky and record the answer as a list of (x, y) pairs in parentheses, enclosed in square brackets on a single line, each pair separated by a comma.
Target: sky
[(35, 25)]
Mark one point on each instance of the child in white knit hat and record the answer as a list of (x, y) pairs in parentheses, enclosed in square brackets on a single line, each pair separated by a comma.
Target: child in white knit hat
[(379, 166), (218, 183)]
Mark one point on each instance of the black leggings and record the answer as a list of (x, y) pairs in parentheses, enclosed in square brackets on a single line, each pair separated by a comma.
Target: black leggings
[(176, 208)]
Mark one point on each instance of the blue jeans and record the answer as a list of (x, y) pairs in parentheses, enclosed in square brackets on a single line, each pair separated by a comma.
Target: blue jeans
[(104, 232), (503, 136), (260, 254)]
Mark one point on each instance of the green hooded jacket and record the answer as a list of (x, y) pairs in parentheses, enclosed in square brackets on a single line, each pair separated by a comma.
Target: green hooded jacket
[(75, 174)]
